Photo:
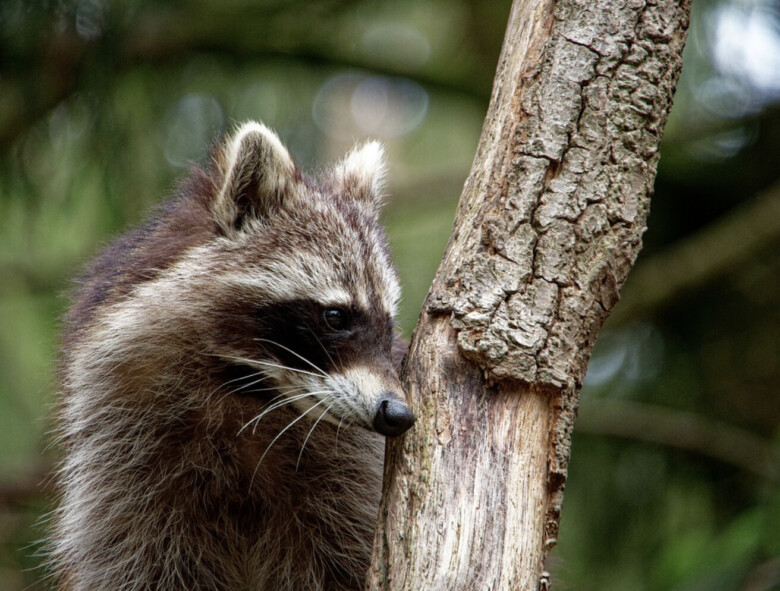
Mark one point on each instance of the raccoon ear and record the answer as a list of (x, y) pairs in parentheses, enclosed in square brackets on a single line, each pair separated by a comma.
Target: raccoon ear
[(257, 172), (361, 174)]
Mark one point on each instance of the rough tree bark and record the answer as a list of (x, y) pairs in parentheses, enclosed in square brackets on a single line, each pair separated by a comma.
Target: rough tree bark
[(549, 223)]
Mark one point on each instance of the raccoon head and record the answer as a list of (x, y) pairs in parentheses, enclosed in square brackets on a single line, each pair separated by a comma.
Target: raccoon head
[(307, 294)]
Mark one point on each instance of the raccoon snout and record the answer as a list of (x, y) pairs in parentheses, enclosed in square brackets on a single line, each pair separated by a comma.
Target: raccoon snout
[(392, 417)]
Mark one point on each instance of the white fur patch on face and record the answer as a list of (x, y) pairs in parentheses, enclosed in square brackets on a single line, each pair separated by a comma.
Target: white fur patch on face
[(284, 282), (290, 289), (351, 395), (372, 384), (362, 388)]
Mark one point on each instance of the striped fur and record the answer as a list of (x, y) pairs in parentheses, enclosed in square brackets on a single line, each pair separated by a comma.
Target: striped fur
[(216, 414)]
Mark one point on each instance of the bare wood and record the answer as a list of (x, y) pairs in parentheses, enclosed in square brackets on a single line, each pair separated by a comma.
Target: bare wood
[(548, 226)]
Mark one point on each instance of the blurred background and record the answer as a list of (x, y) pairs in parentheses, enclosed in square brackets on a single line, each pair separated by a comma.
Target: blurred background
[(104, 104)]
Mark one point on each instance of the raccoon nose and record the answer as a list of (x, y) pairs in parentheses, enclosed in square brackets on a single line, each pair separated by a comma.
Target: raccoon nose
[(392, 417)]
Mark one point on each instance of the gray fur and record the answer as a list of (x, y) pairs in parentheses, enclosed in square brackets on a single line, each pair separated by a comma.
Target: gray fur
[(182, 469)]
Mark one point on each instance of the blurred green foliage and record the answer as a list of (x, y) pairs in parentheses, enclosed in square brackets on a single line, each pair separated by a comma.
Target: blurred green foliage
[(103, 105)]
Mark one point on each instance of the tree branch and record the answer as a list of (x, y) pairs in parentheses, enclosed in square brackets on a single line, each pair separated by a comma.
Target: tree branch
[(718, 249), (682, 430), (549, 223), (26, 488), (764, 577)]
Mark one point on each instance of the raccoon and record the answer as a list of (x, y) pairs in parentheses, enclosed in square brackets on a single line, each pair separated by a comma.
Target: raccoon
[(228, 376)]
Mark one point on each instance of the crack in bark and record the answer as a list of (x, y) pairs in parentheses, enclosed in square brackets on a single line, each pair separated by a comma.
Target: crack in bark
[(586, 214), (613, 87), (549, 223)]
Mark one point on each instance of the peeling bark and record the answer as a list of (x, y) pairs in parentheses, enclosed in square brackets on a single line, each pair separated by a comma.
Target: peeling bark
[(549, 223)]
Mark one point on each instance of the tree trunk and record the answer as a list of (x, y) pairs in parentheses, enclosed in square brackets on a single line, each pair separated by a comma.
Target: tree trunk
[(548, 226)]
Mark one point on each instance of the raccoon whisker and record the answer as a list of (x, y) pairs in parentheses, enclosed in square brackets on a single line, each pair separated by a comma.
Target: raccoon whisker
[(240, 378), (245, 386), (338, 427), (255, 362), (289, 400), (314, 426), (219, 386), (282, 432), (282, 392), (263, 375), (283, 389), (348, 423), (319, 342), (301, 357), (277, 402), (338, 431)]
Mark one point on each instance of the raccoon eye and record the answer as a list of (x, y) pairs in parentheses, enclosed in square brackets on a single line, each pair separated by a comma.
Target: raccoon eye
[(335, 318)]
